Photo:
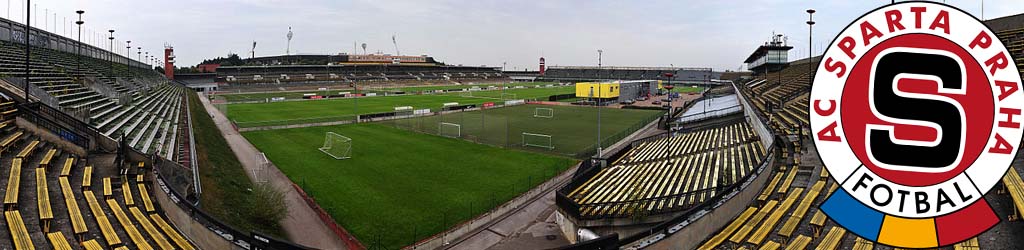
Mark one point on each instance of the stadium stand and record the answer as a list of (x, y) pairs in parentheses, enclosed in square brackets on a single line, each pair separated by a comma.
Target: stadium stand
[(589, 73), (369, 75), (60, 224), (143, 106), (672, 173)]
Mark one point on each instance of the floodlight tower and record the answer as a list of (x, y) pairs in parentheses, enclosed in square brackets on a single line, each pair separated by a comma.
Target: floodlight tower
[(288, 50)]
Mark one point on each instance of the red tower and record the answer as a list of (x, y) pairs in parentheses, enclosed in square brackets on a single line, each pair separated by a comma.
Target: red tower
[(169, 61), (541, 66)]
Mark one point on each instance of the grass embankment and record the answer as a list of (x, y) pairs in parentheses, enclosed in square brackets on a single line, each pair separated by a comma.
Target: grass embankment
[(228, 194)]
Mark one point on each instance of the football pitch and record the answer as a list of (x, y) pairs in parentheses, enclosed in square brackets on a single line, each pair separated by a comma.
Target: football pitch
[(402, 186), (563, 130), (341, 109)]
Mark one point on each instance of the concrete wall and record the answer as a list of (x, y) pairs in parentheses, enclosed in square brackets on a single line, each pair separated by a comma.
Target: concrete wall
[(753, 119), (49, 137)]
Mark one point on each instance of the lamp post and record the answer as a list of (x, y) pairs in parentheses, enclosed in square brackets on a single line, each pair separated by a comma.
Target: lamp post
[(127, 58), (28, 47), (80, 22), (810, 40), (139, 59), (599, 52), (110, 53)]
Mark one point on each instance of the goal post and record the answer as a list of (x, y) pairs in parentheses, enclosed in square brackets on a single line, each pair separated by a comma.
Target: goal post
[(508, 96), (452, 130), (537, 140), (544, 113), (337, 146)]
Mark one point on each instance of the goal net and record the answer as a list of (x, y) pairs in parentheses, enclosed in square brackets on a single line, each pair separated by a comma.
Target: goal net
[(537, 140), (337, 146), (466, 93), (449, 130), (506, 96), (543, 112)]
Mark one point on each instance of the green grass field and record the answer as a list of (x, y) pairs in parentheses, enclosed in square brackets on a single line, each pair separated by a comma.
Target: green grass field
[(298, 112), (572, 129), (401, 186)]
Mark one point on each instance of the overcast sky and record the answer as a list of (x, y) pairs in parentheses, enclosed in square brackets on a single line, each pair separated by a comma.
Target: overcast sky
[(718, 34)]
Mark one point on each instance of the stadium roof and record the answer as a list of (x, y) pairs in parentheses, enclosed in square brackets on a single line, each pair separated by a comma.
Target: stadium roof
[(763, 49), (1006, 23), (628, 68)]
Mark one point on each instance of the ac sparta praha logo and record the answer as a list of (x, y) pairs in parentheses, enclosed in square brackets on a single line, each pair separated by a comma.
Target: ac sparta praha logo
[(916, 111)]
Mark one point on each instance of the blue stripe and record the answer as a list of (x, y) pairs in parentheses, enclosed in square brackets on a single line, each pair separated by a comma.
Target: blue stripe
[(852, 215)]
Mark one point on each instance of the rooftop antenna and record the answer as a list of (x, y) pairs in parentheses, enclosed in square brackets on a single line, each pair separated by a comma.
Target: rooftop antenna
[(395, 42)]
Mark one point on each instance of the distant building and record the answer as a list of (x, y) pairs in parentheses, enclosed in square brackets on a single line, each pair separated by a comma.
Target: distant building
[(342, 59), (208, 68)]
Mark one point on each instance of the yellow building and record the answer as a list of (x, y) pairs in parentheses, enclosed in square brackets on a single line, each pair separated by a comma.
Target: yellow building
[(606, 90)]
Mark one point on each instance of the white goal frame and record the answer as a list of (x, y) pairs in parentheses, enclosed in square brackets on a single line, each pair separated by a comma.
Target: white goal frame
[(549, 145), (329, 144), (508, 96), (550, 113), (441, 130)]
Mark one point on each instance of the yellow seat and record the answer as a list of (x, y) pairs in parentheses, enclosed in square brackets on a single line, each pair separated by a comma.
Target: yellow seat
[(58, 241), (101, 219), (28, 149), (832, 239), (127, 191), (10, 140), (87, 178), (43, 200), (800, 243), (45, 162), (971, 244), (107, 190), (171, 233), (862, 244), (154, 234), (19, 234), (66, 170), (725, 233), (128, 226), (13, 185), (77, 222), (144, 195), (91, 245)]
